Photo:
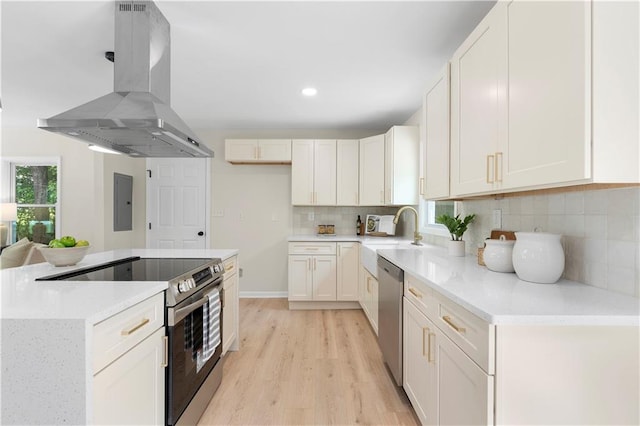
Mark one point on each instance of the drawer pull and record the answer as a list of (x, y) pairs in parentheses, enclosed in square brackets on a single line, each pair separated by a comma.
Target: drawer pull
[(144, 322), (229, 268), (165, 360), (311, 248), (457, 328), (415, 292)]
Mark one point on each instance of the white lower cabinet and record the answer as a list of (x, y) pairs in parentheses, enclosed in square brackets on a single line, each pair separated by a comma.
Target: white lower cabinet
[(313, 272), (230, 312), (129, 359), (443, 384), (464, 391), (459, 369), (369, 297), (324, 272), (419, 374), (131, 389), (348, 263)]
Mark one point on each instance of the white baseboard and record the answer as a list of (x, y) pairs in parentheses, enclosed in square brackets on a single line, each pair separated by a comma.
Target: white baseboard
[(263, 294)]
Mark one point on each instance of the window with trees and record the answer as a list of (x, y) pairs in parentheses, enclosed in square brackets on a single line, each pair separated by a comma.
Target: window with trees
[(35, 189)]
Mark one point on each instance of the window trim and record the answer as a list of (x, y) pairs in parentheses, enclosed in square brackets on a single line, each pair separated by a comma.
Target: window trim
[(7, 172), (426, 206)]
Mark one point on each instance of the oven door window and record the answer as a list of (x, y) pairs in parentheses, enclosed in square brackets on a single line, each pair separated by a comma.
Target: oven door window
[(188, 366)]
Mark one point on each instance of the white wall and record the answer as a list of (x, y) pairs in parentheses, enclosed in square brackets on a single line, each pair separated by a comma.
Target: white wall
[(86, 185)]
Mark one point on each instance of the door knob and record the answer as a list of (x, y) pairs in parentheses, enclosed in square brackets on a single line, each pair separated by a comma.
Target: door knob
[(200, 233)]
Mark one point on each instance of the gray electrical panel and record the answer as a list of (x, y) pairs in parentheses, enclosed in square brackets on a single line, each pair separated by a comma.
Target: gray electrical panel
[(122, 202)]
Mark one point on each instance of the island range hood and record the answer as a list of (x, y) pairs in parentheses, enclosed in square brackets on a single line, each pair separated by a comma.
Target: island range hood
[(136, 118)]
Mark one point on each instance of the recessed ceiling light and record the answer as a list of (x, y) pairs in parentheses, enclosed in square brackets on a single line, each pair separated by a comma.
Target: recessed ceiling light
[(309, 91)]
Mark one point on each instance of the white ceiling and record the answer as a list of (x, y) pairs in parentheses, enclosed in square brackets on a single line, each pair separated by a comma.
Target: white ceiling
[(242, 64)]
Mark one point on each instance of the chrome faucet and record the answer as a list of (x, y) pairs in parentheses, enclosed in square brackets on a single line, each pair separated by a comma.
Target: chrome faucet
[(416, 233)]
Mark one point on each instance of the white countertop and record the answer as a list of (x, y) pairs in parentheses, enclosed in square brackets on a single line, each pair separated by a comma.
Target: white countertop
[(502, 298), (24, 298)]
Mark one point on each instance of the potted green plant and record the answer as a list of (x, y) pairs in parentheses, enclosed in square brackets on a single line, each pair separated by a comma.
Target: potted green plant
[(457, 227)]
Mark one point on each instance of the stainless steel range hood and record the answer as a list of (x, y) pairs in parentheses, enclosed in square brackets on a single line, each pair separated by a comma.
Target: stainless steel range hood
[(136, 118)]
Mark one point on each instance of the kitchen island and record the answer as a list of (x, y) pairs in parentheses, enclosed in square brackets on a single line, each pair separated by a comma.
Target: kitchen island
[(48, 334)]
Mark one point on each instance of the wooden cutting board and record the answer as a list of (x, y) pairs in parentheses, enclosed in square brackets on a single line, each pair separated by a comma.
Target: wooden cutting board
[(496, 233)]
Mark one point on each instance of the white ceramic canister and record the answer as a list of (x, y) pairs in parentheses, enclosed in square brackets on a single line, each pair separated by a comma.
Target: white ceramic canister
[(538, 257), (497, 254)]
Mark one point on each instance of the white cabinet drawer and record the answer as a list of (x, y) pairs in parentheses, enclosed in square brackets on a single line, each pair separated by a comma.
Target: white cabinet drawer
[(472, 334), (119, 333), (230, 267), (312, 248), (420, 294)]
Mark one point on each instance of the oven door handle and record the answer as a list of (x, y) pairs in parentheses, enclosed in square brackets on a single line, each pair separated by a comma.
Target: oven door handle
[(174, 317)]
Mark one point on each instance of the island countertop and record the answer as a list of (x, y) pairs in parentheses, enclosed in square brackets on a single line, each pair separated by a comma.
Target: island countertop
[(24, 298)]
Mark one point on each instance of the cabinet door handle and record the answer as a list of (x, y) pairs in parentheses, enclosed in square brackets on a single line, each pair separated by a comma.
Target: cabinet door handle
[(457, 328), (165, 359), (421, 185), (415, 292), (144, 322), (425, 330), (498, 166), (311, 248), (490, 160), (429, 358)]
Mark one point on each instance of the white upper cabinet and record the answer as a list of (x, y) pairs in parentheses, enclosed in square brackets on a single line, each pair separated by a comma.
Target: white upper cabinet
[(401, 165), (372, 171), (616, 91), (549, 94), (347, 172), (277, 151), (434, 184), (546, 94), (313, 172), (478, 104)]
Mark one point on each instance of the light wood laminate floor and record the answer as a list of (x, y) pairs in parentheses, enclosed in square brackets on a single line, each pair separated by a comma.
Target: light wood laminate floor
[(306, 367)]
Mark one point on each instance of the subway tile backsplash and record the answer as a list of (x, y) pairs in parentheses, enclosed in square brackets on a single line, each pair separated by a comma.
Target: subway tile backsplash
[(600, 228), (344, 219)]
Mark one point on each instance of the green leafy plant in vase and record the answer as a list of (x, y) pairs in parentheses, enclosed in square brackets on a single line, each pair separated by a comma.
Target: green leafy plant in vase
[(456, 227)]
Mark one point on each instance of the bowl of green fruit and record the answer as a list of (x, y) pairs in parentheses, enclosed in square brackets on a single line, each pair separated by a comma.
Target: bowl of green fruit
[(65, 251)]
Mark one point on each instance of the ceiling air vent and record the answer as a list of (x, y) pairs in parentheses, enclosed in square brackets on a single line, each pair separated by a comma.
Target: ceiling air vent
[(129, 7)]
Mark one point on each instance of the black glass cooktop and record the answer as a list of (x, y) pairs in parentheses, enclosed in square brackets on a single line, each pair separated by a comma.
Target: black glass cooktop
[(132, 269)]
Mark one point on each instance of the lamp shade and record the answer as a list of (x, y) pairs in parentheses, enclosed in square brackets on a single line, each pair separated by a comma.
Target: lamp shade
[(8, 212)]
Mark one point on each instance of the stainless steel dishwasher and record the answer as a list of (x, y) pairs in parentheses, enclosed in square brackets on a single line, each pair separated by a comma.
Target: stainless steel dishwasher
[(390, 290)]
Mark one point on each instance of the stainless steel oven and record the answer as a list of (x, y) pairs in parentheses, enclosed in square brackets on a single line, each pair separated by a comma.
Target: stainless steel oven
[(194, 372)]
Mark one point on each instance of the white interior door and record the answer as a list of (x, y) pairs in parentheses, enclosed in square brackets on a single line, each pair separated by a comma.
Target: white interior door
[(177, 203)]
